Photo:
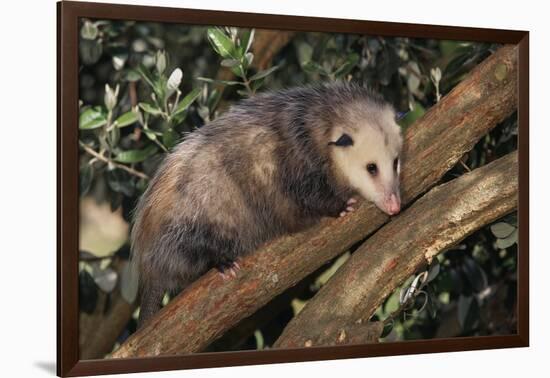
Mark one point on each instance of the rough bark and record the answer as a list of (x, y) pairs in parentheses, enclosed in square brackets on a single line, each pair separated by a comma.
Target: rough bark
[(437, 221), (209, 307)]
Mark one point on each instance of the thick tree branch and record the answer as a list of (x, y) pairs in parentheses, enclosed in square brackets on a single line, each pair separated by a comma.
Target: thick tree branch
[(210, 306), (437, 221)]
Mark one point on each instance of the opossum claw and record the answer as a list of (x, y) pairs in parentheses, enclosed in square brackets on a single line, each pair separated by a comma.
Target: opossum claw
[(351, 201), (349, 208), (228, 270)]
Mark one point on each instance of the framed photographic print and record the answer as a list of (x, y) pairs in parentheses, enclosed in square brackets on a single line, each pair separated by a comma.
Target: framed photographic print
[(238, 188)]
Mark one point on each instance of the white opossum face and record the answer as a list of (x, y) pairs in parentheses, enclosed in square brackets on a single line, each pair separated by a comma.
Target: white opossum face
[(367, 155)]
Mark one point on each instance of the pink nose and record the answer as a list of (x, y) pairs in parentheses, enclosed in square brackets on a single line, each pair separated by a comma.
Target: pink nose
[(392, 204)]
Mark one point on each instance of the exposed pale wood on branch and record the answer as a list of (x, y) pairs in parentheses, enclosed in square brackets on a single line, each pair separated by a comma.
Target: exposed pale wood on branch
[(437, 221), (210, 306)]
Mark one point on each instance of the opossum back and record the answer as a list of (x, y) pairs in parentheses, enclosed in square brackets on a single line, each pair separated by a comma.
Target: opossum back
[(205, 184)]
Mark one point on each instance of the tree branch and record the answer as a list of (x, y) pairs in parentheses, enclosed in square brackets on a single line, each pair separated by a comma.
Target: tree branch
[(267, 44), (210, 306), (437, 221), (105, 159)]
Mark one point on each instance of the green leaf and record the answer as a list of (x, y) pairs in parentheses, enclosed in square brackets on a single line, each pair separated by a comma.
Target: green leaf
[(105, 279), (417, 112), (475, 274), (113, 137), (150, 108), (229, 63), (179, 118), (150, 134), (187, 101), (433, 271), (304, 52), (238, 70), (226, 82), (92, 118), (144, 72), (247, 39), (264, 73), (387, 329), (392, 303), (502, 230), (243, 92), (126, 119), (347, 66), (448, 47), (312, 68), (259, 339), (85, 178), (256, 84), (89, 30), (136, 156), (170, 138), (221, 43), (508, 241), (213, 99), (249, 58), (141, 185), (133, 75), (129, 282), (413, 78), (90, 51)]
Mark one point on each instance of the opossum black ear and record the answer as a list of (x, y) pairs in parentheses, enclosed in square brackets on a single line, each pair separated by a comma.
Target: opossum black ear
[(344, 141)]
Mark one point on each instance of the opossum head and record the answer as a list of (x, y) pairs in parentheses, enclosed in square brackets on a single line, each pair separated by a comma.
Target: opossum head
[(365, 147)]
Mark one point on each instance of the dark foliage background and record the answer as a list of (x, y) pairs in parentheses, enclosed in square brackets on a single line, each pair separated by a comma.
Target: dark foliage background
[(144, 85)]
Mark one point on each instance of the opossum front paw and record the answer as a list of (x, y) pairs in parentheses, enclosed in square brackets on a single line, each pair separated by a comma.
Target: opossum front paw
[(228, 269), (349, 207)]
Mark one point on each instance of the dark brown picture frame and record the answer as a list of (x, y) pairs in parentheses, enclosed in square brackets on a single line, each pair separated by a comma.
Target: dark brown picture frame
[(68, 13)]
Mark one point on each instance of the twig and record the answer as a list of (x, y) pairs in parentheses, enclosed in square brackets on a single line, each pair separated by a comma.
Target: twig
[(465, 166), (104, 159)]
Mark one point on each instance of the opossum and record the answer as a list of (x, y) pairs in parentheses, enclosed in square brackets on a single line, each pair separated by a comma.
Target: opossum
[(273, 164)]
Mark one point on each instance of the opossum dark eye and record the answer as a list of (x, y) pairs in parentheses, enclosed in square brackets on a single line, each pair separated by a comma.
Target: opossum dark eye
[(344, 141), (372, 169), (395, 164)]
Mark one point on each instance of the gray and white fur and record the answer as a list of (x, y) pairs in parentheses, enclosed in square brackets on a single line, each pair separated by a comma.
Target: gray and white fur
[(272, 164)]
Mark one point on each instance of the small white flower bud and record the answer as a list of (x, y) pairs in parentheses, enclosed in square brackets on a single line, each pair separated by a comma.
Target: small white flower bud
[(118, 63), (111, 97), (161, 62), (174, 80)]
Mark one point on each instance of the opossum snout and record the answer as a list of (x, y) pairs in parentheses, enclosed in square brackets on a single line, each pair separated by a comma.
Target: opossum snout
[(392, 204)]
